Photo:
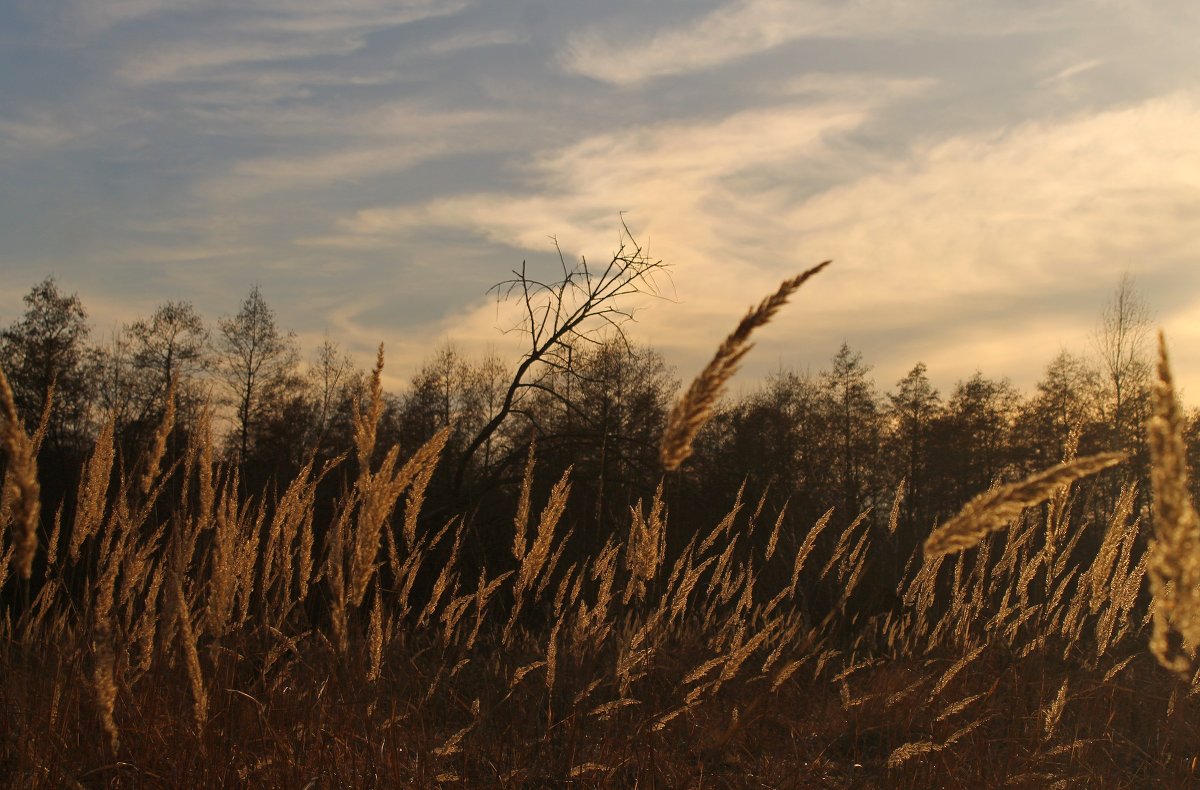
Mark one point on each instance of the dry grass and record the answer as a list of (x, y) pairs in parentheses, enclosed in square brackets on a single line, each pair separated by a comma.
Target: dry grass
[(994, 509), (217, 640), (695, 407), (20, 495), (1175, 559)]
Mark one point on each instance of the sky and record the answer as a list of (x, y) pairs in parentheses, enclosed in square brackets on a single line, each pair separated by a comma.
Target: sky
[(982, 174)]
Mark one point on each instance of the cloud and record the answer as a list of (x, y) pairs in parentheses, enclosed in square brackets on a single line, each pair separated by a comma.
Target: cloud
[(277, 31), (1004, 247), (334, 147), (34, 132), (475, 40), (1029, 207), (666, 175), (199, 144), (1072, 71), (688, 189), (179, 62), (254, 178), (743, 28), (968, 252), (287, 15)]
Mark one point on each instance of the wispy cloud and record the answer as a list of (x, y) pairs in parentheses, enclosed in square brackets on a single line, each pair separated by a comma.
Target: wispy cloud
[(1072, 71), (1031, 226), (940, 237), (34, 132), (269, 32), (665, 175), (336, 148), (1039, 204), (475, 40), (254, 178), (284, 15), (979, 171), (743, 28)]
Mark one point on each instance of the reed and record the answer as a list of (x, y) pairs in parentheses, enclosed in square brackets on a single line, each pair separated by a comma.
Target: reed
[(218, 641), (693, 410), (21, 504), (994, 509), (1174, 563)]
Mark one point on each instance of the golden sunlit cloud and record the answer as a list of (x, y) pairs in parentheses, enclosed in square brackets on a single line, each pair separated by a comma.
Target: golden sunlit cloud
[(1041, 208), (746, 27), (975, 171)]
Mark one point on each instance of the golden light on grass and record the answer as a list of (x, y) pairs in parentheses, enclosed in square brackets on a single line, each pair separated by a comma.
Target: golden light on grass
[(1174, 563), (695, 407), (158, 445), (199, 621), (20, 499), (994, 509)]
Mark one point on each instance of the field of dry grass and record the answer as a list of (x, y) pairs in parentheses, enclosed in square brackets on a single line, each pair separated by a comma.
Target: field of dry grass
[(186, 633)]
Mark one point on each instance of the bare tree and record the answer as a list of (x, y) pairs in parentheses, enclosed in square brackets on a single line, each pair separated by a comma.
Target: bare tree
[(171, 345), (254, 357), (853, 421), (586, 303), (115, 380), (912, 412), (327, 375), (1120, 342), (485, 382)]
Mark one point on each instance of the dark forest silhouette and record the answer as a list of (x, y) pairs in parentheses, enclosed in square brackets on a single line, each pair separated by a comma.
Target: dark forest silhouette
[(336, 572)]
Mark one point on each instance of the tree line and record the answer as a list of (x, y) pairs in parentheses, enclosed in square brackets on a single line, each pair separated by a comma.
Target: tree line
[(589, 398)]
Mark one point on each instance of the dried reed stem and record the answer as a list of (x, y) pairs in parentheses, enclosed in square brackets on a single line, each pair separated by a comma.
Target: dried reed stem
[(366, 422), (1174, 564), (21, 481), (521, 519), (187, 638), (103, 683), (694, 408), (158, 447), (993, 509), (93, 488)]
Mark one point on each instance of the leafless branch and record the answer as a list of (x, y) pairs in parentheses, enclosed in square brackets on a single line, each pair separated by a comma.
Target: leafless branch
[(581, 306)]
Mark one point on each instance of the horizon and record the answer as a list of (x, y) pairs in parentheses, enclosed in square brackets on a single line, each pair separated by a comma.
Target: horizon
[(740, 387), (981, 177)]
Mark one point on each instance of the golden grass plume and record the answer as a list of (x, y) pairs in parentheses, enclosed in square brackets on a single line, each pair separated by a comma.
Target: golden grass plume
[(694, 408), (996, 507), (22, 492), (1174, 564), (158, 446)]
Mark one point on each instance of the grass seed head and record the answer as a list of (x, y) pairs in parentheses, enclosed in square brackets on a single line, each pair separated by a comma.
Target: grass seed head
[(994, 509), (1174, 563), (693, 410)]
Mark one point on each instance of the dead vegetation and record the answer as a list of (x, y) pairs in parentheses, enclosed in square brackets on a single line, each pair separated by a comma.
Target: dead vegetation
[(228, 638)]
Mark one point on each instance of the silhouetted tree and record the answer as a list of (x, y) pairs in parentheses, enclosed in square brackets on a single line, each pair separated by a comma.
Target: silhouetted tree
[(561, 315), (329, 376), (255, 361), (1065, 408), (913, 411), (853, 425), (451, 389), (1120, 342), (975, 441), (281, 437), (172, 344), (485, 381), (1192, 437), (47, 347), (604, 415), (115, 380)]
